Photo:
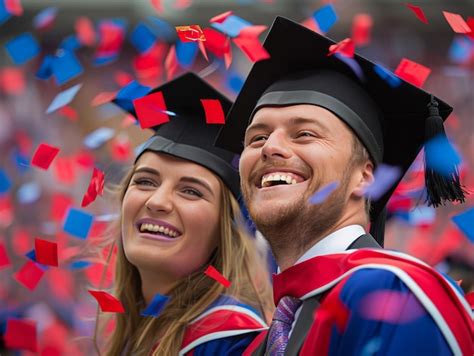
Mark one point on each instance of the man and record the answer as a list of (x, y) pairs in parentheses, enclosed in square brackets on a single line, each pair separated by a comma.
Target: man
[(317, 122)]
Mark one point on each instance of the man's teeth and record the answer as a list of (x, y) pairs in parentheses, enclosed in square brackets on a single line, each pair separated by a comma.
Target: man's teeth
[(268, 179), (158, 228)]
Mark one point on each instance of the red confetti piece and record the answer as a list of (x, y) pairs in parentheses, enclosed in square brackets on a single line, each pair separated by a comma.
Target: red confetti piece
[(412, 72), (361, 29), (29, 275), (148, 66), (21, 334), (111, 39), (123, 78), (14, 7), (252, 31), (103, 98), (182, 4), (6, 211), (21, 241), (107, 302), (202, 48), (85, 159), (12, 81), (4, 259), (213, 110), (171, 63), (46, 252), (85, 31), (61, 283), (216, 43), (216, 275), (69, 112), (470, 23), (65, 170), (60, 204), (44, 155), (128, 121), (191, 33), (24, 142), (96, 187), (252, 48), (228, 57), (221, 17), (150, 110), (311, 24), (157, 5), (418, 11), (456, 22), (345, 47), (120, 149)]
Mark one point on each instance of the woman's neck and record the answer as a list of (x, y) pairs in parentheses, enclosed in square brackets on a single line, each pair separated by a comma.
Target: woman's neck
[(154, 283)]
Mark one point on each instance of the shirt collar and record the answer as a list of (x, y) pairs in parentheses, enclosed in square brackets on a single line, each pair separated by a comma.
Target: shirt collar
[(338, 241)]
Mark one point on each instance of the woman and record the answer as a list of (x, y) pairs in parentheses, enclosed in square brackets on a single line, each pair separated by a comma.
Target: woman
[(180, 215)]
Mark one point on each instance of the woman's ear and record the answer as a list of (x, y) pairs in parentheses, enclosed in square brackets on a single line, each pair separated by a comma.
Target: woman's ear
[(366, 178)]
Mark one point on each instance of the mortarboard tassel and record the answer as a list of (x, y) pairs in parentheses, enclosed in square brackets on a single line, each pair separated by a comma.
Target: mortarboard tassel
[(440, 187)]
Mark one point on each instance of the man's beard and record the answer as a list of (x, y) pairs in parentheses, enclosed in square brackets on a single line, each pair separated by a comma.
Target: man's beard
[(299, 225)]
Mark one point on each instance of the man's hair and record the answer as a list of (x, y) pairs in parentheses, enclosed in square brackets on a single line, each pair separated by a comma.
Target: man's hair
[(359, 156)]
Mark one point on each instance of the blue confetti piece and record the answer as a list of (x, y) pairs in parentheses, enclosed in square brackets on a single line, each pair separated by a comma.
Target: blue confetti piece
[(28, 193), (441, 156), (45, 71), (78, 223), (77, 265), (325, 17), (422, 215), (390, 78), (465, 223), (156, 305), (70, 43), (231, 26), (102, 60), (384, 178), (44, 17), (142, 38), (461, 49), (372, 347), (234, 82), (352, 64), (128, 93), (23, 48), (32, 256), (322, 194), (98, 137), (5, 182), (22, 162), (162, 29), (63, 98), (186, 53), (4, 14), (65, 67)]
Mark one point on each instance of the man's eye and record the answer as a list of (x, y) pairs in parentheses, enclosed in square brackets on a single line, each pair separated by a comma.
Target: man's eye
[(305, 134), (257, 138)]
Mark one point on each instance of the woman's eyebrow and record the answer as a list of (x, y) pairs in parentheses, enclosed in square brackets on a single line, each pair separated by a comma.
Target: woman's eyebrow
[(146, 170)]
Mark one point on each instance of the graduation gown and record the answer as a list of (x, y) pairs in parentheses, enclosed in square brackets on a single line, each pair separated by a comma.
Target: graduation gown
[(372, 302), (227, 327)]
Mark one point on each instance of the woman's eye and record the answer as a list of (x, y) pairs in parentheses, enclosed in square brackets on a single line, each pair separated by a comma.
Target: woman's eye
[(143, 182), (192, 191)]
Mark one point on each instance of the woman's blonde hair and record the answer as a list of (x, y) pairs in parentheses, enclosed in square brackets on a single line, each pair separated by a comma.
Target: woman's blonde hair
[(236, 257)]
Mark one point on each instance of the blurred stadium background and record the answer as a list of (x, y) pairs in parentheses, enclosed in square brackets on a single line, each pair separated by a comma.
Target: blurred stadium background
[(34, 203)]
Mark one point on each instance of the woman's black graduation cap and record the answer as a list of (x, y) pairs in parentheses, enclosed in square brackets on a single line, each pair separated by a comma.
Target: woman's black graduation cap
[(187, 135), (392, 122)]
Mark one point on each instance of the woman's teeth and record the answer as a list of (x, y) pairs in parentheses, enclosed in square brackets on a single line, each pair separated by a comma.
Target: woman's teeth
[(269, 179), (158, 228)]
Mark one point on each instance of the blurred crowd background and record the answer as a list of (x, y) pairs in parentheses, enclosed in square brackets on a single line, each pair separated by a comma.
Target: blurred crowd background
[(91, 132)]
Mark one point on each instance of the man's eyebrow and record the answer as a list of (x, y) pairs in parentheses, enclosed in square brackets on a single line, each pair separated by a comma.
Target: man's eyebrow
[(197, 181), (259, 126)]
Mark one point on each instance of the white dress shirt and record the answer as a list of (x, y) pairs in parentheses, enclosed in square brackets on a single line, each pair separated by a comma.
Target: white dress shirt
[(338, 241)]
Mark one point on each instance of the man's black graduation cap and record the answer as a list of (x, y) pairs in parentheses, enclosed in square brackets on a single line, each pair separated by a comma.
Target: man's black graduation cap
[(391, 122), (187, 135)]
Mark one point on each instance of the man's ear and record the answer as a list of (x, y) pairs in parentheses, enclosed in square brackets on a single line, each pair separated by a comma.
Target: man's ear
[(365, 179)]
